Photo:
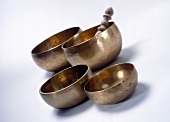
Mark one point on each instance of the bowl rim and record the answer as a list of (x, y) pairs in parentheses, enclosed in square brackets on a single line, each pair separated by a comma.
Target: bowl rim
[(115, 65), (57, 46), (67, 87), (87, 41)]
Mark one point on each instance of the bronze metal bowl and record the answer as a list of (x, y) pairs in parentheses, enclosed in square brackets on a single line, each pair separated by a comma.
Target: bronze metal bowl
[(94, 51), (112, 84), (49, 55), (66, 88)]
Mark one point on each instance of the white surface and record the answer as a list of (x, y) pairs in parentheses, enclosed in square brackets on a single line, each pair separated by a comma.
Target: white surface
[(144, 25)]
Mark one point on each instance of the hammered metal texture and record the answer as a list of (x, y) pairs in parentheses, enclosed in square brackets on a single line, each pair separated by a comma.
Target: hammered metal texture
[(49, 55), (112, 84), (66, 88), (94, 51)]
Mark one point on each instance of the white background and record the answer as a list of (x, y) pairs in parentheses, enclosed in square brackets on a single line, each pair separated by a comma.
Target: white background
[(145, 29)]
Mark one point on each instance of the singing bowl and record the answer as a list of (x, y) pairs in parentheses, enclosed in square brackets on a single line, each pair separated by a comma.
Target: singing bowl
[(94, 51), (66, 88), (113, 84), (49, 55)]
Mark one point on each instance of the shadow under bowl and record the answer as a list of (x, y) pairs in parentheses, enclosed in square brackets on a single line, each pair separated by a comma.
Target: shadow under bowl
[(113, 84), (94, 51), (66, 88), (49, 55)]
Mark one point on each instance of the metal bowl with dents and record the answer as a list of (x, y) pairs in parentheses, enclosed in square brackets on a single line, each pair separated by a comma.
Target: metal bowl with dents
[(49, 55), (66, 88), (113, 84), (94, 51)]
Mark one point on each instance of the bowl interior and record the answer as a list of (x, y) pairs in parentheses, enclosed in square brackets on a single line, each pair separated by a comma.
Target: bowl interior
[(109, 77), (83, 37), (55, 40), (64, 79)]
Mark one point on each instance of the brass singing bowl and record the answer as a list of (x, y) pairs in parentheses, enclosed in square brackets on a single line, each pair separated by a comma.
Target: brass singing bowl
[(66, 88), (94, 51), (49, 55), (113, 84)]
